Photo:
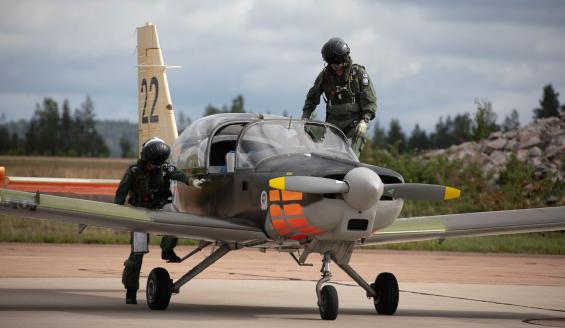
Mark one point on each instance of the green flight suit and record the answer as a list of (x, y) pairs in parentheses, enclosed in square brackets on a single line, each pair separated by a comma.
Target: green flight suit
[(149, 189), (349, 98)]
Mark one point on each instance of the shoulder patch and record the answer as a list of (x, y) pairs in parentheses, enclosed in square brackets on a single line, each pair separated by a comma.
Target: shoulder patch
[(365, 81)]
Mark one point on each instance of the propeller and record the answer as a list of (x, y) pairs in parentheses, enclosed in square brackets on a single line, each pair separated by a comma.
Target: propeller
[(421, 191), (309, 185), (409, 191)]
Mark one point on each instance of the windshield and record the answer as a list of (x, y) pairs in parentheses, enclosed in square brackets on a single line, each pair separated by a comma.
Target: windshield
[(267, 139)]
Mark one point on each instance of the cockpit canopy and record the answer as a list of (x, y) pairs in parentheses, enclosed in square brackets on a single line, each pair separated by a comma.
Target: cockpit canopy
[(254, 138), (278, 138), (189, 150)]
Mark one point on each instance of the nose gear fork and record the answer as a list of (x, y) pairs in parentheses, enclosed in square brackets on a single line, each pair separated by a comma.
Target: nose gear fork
[(326, 274), (328, 303)]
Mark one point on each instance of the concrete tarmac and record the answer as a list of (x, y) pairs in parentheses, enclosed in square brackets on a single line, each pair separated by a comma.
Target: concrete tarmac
[(99, 302), (79, 286)]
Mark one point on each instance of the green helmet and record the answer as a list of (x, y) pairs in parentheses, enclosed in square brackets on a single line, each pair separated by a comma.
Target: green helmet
[(335, 51)]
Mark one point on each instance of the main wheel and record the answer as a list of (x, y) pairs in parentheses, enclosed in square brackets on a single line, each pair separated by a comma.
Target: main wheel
[(386, 288), (328, 303), (159, 289)]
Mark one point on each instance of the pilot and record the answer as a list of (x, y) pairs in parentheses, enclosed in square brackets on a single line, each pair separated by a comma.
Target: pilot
[(146, 183), (348, 93)]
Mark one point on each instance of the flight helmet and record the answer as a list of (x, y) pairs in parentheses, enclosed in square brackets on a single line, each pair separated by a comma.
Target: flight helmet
[(155, 151), (335, 51)]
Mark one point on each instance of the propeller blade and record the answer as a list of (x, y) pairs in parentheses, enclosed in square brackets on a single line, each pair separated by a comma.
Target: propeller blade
[(311, 185), (420, 191)]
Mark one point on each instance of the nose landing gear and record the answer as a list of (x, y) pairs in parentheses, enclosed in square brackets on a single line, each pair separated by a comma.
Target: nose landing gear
[(384, 291), (328, 302)]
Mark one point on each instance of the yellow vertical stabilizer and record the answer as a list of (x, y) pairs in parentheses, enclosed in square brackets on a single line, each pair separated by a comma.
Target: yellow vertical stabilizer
[(155, 108)]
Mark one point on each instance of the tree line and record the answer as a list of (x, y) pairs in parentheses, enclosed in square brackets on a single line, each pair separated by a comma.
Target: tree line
[(461, 127), (54, 132)]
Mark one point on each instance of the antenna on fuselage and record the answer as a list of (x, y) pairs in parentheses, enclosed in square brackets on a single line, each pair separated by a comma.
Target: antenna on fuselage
[(289, 122)]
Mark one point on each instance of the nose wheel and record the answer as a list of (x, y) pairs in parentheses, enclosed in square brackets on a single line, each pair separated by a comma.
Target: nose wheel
[(328, 302)]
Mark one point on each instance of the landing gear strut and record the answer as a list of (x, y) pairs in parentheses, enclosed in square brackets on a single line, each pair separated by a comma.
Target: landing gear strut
[(328, 302), (160, 286)]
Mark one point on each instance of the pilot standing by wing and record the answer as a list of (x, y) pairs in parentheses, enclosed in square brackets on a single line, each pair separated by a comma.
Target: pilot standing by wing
[(147, 183), (348, 93)]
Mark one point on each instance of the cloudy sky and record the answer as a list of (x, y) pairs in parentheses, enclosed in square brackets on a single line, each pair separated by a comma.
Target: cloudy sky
[(426, 58)]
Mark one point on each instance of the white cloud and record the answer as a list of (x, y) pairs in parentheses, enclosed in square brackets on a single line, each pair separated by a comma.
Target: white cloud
[(425, 59)]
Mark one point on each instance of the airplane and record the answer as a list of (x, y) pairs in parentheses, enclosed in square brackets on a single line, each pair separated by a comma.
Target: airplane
[(272, 183)]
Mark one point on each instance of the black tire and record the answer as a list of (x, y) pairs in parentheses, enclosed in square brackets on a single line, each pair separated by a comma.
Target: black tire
[(159, 289), (328, 303), (386, 288)]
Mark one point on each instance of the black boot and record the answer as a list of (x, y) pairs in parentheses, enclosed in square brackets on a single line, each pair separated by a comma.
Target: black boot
[(170, 256), (131, 296)]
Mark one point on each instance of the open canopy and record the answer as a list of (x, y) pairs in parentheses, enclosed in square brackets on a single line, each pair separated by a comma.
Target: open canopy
[(275, 138)]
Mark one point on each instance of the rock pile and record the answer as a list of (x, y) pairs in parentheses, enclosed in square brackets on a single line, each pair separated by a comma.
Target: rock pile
[(541, 144)]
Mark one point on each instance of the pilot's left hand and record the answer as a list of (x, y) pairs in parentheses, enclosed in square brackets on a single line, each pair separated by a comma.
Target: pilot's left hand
[(198, 183), (361, 130)]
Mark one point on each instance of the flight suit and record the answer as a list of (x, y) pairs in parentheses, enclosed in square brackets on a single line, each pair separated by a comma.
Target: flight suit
[(151, 190), (349, 98)]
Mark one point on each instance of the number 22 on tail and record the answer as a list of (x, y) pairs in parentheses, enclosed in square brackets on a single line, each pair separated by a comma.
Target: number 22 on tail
[(153, 85)]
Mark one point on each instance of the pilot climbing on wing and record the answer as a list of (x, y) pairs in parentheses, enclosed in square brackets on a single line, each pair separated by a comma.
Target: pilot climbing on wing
[(147, 183), (348, 93)]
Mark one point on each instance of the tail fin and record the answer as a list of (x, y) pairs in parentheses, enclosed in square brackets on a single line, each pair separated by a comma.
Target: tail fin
[(156, 115)]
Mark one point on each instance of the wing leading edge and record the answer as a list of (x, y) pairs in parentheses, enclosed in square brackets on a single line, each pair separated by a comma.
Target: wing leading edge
[(79, 211), (470, 224)]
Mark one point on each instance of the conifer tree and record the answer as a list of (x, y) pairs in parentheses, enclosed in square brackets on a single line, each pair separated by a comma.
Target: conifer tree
[(395, 136), (379, 137), (418, 139), (549, 103), (511, 121)]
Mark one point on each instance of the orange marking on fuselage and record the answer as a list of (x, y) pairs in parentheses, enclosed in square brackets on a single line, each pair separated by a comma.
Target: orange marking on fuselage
[(298, 222), (279, 224), (274, 196), (291, 195), (298, 237), (293, 209), (275, 210), (283, 232), (309, 230)]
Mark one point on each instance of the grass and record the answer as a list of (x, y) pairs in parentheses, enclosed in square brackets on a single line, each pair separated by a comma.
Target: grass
[(530, 243), (514, 188), (65, 167), (16, 229)]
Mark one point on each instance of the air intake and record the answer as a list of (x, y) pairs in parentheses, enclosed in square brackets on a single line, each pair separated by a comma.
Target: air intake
[(357, 224)]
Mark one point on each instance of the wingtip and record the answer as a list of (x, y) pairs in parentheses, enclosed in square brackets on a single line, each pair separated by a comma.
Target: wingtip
[(451, 193), (277, 183)]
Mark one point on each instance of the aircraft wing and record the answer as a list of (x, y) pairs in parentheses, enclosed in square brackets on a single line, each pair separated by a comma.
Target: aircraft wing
[(91, 213), (470, 224)]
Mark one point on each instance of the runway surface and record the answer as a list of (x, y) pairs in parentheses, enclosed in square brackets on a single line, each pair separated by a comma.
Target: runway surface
[(98, 302), (258, 295)]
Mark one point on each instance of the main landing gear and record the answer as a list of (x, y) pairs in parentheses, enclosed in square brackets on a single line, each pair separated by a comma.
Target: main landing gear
[(160, 286), (384, 291)]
